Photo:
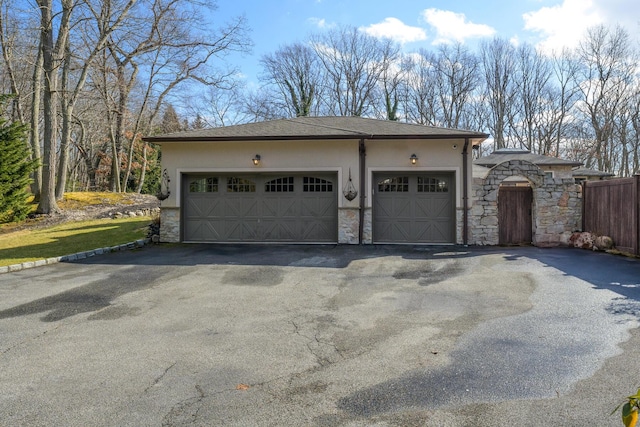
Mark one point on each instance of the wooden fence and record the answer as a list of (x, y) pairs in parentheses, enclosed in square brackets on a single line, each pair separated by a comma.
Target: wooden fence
[(612, 208)]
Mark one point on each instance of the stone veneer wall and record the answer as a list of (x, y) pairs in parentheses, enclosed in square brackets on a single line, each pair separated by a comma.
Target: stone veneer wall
[(460, 226), (558, 207), (170, 225), (367, 232), (348, 220), (556, 210)]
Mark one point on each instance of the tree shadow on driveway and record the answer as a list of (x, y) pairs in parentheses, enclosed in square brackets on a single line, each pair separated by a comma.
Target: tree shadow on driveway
[(618, 274), (87, 298)]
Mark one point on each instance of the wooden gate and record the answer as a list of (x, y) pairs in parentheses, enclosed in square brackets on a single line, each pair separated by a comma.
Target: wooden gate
[(514, 215)]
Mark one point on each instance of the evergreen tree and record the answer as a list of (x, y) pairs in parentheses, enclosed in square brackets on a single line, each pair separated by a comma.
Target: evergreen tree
[(170, 120), (198, 123), (15, 170)]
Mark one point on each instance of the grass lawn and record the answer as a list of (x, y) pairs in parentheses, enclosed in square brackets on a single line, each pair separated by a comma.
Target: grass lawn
[(65, 239)]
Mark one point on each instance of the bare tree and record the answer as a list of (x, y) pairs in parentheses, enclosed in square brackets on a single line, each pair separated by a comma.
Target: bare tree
[(51, 61), (394, 70), (605, 78), (419, 90), (107, 16), (456, 78), (354, 62), (634, 115), (259, 105), (175, 47), (215, 107), (22, 58), (561, 99), (499, 65), (532, 74), (8, 34), (295, 70)]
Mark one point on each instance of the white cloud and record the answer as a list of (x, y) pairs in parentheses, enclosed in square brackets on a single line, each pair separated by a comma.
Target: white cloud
[(320, 23), (397, 30), (623, 12), (452, 27), (563, 25)]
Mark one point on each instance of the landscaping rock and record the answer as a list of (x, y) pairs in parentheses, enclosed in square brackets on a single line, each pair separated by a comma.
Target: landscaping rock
[(587, 240), (603, 243), (583, 240)]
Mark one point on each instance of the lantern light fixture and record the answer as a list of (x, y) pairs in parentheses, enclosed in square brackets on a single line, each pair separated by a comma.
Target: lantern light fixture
[(413, 159), (256, 160)]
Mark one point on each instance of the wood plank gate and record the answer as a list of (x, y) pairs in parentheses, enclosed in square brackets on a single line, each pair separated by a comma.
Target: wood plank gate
[(514, 215)]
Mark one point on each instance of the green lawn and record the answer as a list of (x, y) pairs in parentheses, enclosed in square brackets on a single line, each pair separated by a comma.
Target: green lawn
[(69, 238)]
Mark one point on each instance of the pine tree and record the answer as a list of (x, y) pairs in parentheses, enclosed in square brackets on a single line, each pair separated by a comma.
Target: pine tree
[(170, 120), (15, 170)]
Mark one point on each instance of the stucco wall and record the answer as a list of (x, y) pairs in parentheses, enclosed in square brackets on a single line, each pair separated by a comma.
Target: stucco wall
[(292, 156), (339, 156)]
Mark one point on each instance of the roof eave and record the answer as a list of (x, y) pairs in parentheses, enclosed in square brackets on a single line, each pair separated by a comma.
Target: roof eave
[(160, 139)]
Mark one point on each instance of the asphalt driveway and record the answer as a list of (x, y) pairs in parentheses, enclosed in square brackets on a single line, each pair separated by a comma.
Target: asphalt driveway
[(212, 335)]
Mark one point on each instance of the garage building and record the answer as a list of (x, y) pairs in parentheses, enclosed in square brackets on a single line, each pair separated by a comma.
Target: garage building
[(343, 180)]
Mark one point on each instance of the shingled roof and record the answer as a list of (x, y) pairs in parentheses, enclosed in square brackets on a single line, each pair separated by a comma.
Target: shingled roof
[(507, 154), (591, 173), (318, 128)]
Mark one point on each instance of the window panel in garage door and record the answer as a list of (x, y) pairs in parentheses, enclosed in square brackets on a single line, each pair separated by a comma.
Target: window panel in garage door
[(240, 210), (414, 209), (392, 209), (279, 210), (318, 210), (203, 210)]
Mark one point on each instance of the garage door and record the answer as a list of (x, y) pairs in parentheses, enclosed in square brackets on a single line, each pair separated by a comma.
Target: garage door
[(260, 208), (414, 208)]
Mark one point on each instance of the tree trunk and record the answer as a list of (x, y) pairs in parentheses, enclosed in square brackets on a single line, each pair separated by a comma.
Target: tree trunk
[(114, 184), (34, 131), (8, 63), (143, 170), (67, 115), (48, 203), (63, 163)]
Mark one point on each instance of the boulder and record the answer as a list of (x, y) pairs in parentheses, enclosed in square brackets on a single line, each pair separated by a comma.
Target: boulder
[(587, 240), (603, 243), (583, 240)]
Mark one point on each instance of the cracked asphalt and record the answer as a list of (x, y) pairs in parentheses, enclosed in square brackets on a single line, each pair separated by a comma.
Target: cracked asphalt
[(217, 335)]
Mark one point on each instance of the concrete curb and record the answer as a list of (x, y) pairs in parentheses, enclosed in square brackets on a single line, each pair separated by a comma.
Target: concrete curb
[(74, 257)]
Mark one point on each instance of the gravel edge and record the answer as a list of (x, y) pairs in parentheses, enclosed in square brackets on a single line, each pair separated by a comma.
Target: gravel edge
[(75, 257)]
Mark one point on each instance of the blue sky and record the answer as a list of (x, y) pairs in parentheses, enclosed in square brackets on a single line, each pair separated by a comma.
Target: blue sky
[(548, 24)]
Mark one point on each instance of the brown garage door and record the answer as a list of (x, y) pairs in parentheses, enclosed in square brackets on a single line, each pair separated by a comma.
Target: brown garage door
[(414, 208), (260, 208)]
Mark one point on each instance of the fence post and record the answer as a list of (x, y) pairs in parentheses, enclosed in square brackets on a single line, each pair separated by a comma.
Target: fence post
[(584, 202)]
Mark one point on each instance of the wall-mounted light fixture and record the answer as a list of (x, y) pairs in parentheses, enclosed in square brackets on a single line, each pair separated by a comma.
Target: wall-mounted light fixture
[(256, 160), (413, 159)]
